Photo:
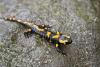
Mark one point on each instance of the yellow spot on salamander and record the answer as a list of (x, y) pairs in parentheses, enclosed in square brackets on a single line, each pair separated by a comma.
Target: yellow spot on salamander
[(19, 20), (62, 41), (43, 25), (40, 29), (48, 34), (29, 29), (13, 17), (57, 45), (57, 35), (10, 18)]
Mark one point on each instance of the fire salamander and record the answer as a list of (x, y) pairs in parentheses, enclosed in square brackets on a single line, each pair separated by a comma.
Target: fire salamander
[(56, 39)]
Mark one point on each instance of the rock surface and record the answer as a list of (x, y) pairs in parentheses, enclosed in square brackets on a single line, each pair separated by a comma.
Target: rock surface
[(80, 18)]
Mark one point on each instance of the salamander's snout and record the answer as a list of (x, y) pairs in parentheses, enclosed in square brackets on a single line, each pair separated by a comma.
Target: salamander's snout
[(65, 39), (69, 41)]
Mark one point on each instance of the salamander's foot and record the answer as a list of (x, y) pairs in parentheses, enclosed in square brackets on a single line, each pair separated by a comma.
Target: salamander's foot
[(60, 50), (28, 33)]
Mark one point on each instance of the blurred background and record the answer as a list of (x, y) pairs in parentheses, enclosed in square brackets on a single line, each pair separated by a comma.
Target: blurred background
[(79, 18)]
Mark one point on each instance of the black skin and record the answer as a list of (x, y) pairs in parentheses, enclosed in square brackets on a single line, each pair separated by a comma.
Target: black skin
[(28, 34), (44, 26)]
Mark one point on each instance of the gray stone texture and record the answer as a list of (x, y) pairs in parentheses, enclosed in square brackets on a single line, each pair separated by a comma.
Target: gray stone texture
[(79, 18)]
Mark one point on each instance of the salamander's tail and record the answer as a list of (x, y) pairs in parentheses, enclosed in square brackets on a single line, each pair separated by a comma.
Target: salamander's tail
[(12, 18)]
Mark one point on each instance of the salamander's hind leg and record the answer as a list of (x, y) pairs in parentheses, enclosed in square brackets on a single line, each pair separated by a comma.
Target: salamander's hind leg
[(28, 33)]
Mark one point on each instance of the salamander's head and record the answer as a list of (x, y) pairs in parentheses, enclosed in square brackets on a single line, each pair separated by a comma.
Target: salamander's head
[(65, 39)]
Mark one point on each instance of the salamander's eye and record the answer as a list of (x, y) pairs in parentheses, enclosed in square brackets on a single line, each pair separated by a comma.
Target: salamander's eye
[(65, 38)]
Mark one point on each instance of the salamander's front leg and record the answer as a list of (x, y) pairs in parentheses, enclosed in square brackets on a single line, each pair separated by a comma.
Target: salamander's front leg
[(60, 50), (58, 47), (28, 33)]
